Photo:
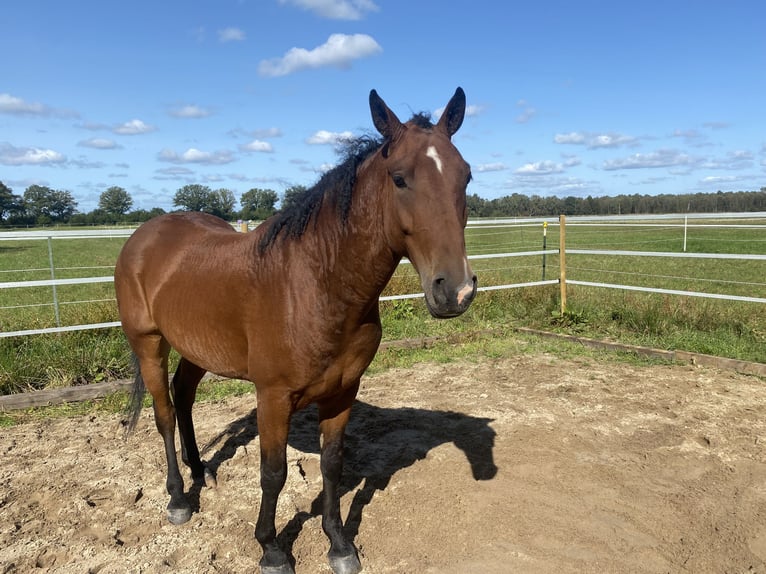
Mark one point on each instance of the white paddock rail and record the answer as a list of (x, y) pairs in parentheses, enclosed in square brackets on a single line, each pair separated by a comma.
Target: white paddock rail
[(53, 282), (482, 224)]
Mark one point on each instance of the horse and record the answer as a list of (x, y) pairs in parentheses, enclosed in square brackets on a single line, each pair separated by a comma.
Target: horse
[(293, 306)]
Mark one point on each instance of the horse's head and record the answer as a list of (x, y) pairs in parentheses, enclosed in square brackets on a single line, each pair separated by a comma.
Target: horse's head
[(426, 182)]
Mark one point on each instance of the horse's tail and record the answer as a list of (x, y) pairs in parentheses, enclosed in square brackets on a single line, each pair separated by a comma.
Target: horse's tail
[(136, 399)]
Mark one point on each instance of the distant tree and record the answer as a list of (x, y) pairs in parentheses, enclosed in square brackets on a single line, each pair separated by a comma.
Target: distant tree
[(222, 203), (115, 201), (258, 203), (10, 204), (476, 205), (45, 204), (292, 195), (194, 197), (141, 215)]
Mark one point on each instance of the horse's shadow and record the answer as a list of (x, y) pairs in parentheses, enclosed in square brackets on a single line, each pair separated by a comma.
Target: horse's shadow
[(379, 443)]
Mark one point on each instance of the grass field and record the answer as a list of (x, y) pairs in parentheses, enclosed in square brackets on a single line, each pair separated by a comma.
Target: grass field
[(726, 328)]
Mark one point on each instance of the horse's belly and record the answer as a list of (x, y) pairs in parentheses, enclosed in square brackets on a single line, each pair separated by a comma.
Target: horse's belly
[(213, 351)]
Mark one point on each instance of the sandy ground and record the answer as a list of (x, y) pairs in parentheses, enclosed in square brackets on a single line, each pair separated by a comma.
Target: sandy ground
[(519, 464)]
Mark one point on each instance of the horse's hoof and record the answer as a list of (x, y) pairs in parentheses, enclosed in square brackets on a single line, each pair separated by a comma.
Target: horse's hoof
[(179, 515), (345, 564), (283, 569), (274, 561), (210, 480)]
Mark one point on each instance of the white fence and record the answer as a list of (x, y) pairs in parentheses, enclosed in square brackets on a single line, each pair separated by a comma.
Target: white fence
[(643, 220)]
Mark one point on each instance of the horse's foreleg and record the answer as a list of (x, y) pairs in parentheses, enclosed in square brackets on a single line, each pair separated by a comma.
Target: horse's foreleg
[(273, 424), (333, 417), (185, 382)]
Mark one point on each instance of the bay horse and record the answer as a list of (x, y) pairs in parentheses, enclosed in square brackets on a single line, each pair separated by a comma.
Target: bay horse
[(293, 305)]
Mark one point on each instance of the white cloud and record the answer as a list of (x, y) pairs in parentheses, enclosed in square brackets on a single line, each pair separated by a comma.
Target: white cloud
[(739, 159), (575, 138), (595, 140), (99, 143), (659, 158), (189, 111), (12, 105), (545, 167), (717, 179), (691, 134), (11, 155), (133, 127), (16, 106), (471, 110), (484, 167), (610, 140), (257, 146), (339, 51), (174, 173), (526, 115), (555, 185), (323, 137), (267, 133), (231, 35), (193, 155), (336, 9)]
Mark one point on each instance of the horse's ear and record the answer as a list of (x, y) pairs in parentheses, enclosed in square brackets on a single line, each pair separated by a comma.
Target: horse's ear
[(384, 119), (453, 115)]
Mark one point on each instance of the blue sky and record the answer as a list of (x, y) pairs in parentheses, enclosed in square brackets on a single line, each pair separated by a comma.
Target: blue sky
[(565, 98)]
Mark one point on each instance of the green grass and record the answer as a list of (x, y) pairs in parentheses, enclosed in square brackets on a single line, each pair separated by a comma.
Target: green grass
[(469, 347), (717, 327)]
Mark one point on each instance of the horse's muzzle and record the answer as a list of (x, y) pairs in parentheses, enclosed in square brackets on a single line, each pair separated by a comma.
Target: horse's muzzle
[(447, 298)]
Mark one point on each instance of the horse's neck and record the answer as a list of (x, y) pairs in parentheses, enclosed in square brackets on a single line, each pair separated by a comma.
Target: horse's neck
[(359, 249)]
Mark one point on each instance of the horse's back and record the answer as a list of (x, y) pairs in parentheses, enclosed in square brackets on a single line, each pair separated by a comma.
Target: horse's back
[(165, 228), (156, 252), (171, 233)]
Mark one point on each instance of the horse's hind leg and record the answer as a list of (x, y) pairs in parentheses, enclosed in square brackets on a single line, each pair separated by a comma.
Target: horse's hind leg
[(333, 417), (152, 352), (184, 386)]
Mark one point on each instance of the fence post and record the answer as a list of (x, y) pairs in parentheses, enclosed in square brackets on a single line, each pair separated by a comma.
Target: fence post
[(545, 238), (53, 276), (563, 262)]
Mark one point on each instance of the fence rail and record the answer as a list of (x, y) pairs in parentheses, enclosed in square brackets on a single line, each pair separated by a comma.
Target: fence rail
[(562, 251)]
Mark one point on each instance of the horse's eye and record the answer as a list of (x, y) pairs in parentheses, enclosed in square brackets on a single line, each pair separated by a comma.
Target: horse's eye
[(399, 181)]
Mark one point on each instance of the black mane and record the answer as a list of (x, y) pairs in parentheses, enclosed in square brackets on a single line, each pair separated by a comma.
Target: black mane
[(422, 120), (335, 184)]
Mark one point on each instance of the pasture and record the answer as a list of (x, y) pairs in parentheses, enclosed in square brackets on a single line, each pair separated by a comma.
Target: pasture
[(718, 327)]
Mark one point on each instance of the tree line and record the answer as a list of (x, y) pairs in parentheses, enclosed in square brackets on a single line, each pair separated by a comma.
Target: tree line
[(518, 205), (41, 205)]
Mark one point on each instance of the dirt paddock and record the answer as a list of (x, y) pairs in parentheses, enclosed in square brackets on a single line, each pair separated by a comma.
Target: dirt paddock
[(520, 464)]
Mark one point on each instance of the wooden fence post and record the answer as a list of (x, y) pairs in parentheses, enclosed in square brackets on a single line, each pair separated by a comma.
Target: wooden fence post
[(563, 262)]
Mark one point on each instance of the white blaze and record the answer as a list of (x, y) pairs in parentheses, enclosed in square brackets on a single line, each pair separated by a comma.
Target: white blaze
[(434, 155)]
